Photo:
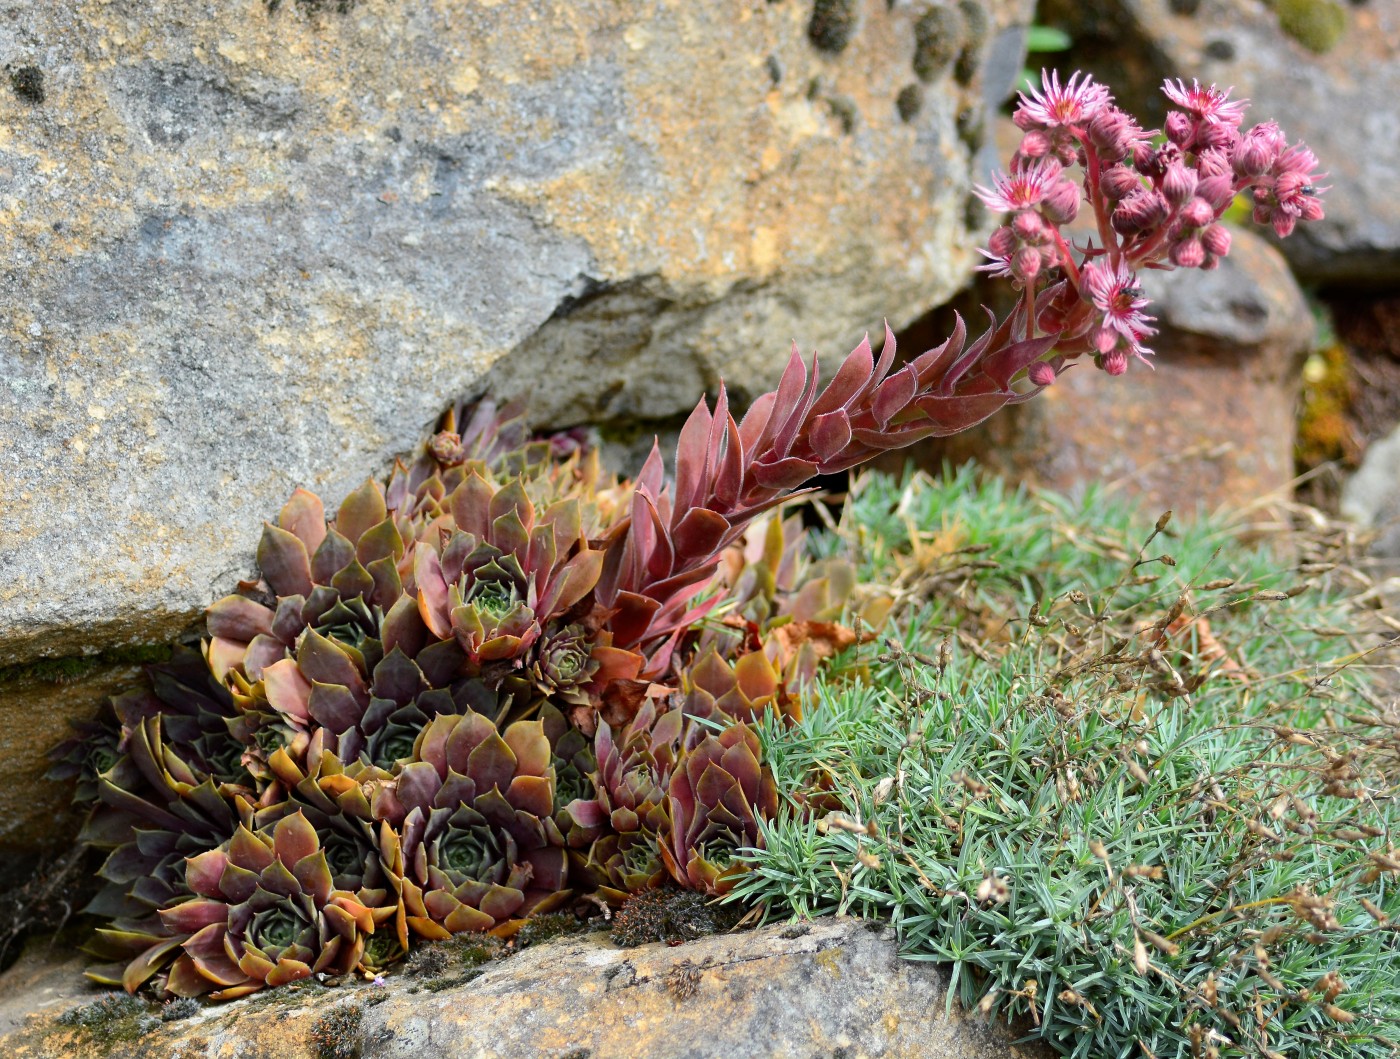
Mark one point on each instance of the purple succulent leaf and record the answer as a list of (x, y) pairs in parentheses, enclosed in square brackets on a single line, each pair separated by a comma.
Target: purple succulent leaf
[(334, 553), (829, 434), (283, 561), (361, 511), (305, 516), (238, 618)]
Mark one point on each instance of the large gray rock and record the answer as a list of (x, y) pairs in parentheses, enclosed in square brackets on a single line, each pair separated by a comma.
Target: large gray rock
[(834, 988), (1344, 102), (254, 246), (1371, 496)]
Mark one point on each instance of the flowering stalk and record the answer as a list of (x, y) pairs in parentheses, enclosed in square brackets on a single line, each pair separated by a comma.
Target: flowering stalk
[(1153, 207)]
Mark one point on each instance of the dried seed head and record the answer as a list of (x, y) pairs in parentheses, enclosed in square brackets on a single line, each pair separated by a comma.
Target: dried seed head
[(992, 890)]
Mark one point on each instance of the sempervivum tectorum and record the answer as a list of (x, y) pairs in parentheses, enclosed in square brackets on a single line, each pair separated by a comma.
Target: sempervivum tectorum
[(718, 793), (267, 913), (627, 809), (741, 691), (503, 575), (479, 839)]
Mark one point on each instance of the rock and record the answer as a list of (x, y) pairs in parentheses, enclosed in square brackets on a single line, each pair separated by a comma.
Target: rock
[(38, 701), (833, 987), (258, 246), (1371, 496), (1213, 424), (1344, 101)]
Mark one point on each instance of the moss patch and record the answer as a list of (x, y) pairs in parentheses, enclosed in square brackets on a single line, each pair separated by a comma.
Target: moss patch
[(1317, 25), (339, 1033), (672, 916), (112, 1019), (69, 668)]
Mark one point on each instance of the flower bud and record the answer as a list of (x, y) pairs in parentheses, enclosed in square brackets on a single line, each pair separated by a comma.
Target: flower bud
[(1263, 213), (1214, 162), (1210, 263), (1197, 213), (1111, 131), (1061, 205), (1104, 338), (1002, 243), (1219, 191), (1311, 208), (1216, 240), (1179, 184), (1118, 182), (1023, 120), (1143, 154), (1035, 144), (1251, 157), (1217, 135), (1140, 210), (1179, 128), (1115, 362), (1188, 253), (1025, 266), (1041, 373), (1028, 226), (1283, 224)]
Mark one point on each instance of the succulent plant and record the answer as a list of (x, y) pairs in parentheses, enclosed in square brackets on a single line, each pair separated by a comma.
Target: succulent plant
[(503, 574), (476, 811), (737, 691), (627, 807), (718, 793), (266, 913)]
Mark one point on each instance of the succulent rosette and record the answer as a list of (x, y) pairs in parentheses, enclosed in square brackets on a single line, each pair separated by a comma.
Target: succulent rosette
[(501, 576), (739, 691), (335, 769), (563, 666), (717, 794), (480, 844), (266, 912), (627, 809)]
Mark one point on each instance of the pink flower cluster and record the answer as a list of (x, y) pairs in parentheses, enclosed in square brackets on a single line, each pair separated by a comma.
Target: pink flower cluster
[(1156, 198)]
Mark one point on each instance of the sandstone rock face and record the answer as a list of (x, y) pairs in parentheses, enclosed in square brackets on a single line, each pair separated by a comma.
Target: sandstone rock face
[(1213, 424), (1343, 101), (831, 988), (260, 245)]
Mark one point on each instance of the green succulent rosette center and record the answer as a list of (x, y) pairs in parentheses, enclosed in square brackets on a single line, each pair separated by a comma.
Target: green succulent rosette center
[(275, 930), (382, 948), (101, 759), (470, 852), (395, 744), (570, 783), (493, 599), (343, 855)]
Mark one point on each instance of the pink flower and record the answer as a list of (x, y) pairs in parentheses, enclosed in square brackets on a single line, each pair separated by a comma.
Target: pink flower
[(998, 266), (1053, 106), (1206, 102), (1022, 190), (1114, 292)]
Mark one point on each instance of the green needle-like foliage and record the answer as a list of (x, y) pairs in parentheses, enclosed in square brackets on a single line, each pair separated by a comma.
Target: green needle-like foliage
[(1135, 867)]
